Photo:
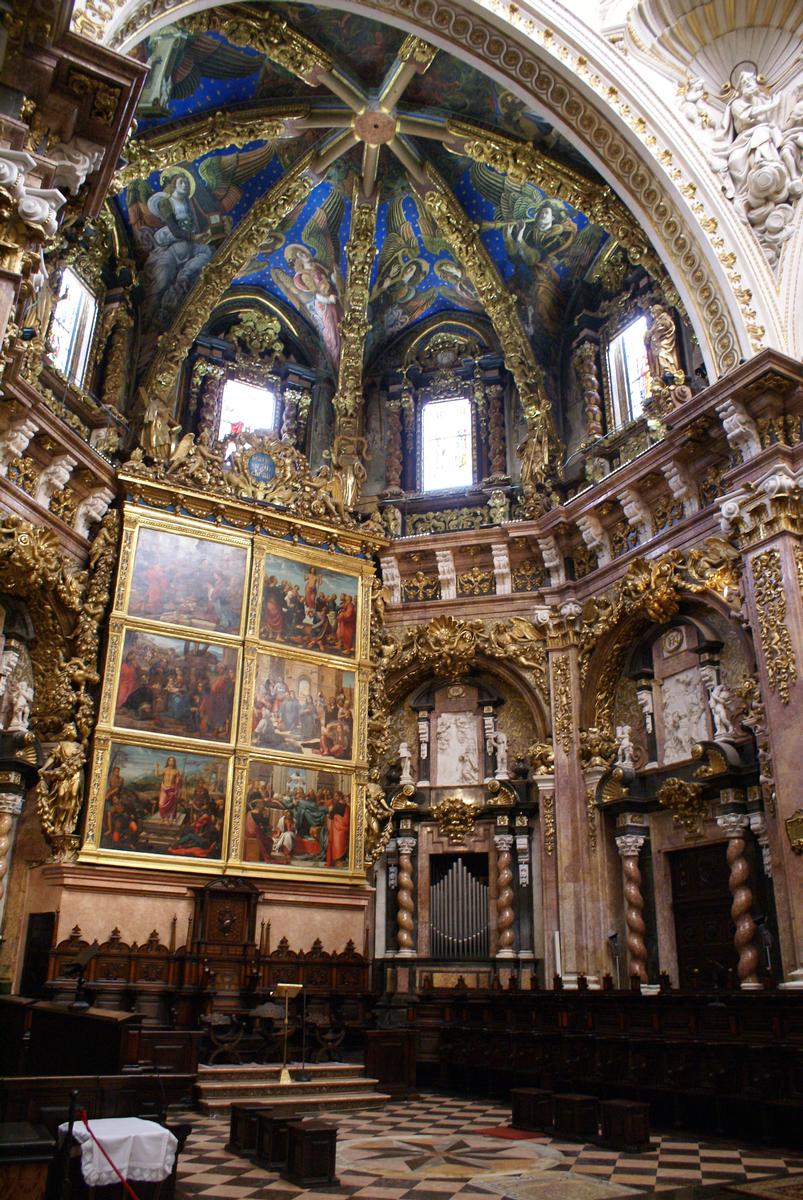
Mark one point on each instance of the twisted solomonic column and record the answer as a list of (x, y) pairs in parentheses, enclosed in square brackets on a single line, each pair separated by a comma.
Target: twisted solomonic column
[(734, 825), (405, 899), (629, 846), (505, 915)]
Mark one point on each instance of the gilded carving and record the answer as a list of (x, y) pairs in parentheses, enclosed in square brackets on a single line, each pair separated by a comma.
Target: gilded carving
[(203, 135), (360, 251), (456, 818), (267, 33), (475, 582), (542, 758), (591, 817), (447, 520), (562, 701), (685, 802), (548, 821), (776, 644)]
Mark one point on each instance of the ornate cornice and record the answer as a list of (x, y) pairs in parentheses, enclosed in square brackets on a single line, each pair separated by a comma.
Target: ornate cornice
[(267, 33)]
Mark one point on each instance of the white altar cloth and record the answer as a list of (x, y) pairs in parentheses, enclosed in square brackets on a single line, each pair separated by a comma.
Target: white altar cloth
[(141, 1150)]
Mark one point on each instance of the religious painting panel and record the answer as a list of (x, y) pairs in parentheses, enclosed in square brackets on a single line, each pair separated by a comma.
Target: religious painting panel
[(297, 816), (183, 580), (300, 707), (157, 800), (177, 687), (307, 605)]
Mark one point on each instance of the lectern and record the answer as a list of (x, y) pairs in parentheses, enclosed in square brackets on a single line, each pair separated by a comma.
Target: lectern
[(286, 992)]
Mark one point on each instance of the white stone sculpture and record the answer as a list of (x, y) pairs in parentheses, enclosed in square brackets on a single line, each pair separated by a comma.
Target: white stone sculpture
[(682, 487), (92, 509), (8, 661), (499, 739), (740, 428), (14, 441), (406, 760), (446, 574), (40, 207), (721, 701), (21, 699), (637, 513), (75, 160), (693, 102), (625, 749), (684, 721), (391, 577), (753, 155), (553, 560), (595, 537), (501, 561), (458, 757), (646, 703), (54, 478)]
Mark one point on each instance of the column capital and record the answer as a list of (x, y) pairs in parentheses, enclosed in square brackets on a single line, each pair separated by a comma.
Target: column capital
[(503, 841), (733, 823), (406, 844), (629, 844), (10, 804)]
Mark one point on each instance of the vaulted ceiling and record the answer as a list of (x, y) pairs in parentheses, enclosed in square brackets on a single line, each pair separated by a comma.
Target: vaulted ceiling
[(358, 109)]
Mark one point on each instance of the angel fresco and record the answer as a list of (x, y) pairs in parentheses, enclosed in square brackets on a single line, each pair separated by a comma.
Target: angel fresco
[(177, 226), (400, 271), (537, 233), (180, 61), (314, 281)]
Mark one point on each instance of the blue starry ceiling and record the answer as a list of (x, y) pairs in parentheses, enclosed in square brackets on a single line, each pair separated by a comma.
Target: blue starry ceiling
[(176, 220)]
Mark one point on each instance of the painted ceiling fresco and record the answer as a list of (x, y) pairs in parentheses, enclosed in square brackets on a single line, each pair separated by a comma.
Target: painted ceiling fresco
[(176, 219)]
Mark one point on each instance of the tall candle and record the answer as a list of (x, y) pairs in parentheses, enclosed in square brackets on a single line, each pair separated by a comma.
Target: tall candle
[(558, 963)]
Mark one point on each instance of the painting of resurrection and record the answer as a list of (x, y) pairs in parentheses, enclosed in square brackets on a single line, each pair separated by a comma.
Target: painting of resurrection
[(311, 607), (188, 581), (156, 802), (176, 686), (297, 817), (303, 708)]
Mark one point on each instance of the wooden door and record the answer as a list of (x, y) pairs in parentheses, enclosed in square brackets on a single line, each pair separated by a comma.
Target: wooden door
[(701, 905)]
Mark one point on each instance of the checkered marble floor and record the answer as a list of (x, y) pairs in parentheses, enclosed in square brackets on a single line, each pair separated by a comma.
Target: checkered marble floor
[(428, 1149)]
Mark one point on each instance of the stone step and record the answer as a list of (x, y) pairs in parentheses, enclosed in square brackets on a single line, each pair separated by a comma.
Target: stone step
[(256, 1087), (336, 1101), (270, 1071)]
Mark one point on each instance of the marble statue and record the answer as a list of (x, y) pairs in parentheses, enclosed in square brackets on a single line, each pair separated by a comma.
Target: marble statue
[(21, 699), (456, 739), (721, 701), (406, 760), (626, 748), (499, 740), (755, 154), (8, 662)]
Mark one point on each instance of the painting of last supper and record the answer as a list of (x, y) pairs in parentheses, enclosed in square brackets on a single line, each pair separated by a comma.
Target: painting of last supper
[(313, 608)]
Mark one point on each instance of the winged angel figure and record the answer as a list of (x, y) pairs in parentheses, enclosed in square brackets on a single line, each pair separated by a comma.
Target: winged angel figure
[(180, 61), (314, 281), (400, 272)]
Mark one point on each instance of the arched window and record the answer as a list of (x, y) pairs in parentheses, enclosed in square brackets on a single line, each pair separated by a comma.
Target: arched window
[(244, 406), (628, 372), (71, 327), (447, 444)]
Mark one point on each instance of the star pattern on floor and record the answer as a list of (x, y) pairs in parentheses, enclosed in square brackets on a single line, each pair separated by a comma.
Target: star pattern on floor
[(435, 1140)]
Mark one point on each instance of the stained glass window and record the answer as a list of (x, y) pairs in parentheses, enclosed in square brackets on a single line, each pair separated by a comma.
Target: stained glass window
[(447, 449)]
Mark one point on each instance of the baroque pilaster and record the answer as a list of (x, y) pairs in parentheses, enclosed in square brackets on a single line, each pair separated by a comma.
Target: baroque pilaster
[(765, 517)]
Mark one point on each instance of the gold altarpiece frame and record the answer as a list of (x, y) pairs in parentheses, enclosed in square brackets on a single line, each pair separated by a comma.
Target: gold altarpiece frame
[(232, 728)]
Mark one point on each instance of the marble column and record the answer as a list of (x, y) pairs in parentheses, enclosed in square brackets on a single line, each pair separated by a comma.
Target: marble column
[(734, 825), (629, 846), (579, 871), (405, 899), (10, 809), (505, 915), (774, 604)]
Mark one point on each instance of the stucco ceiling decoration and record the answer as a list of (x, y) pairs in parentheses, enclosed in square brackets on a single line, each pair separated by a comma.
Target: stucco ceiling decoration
[(541, 67), (708, 39)]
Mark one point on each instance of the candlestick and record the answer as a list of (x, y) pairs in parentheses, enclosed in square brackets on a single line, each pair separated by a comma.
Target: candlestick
[(558, 963)]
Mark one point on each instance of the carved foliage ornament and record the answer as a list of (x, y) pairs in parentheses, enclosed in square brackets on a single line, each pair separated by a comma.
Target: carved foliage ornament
[(779, 656), (685, 802), (456, 818)]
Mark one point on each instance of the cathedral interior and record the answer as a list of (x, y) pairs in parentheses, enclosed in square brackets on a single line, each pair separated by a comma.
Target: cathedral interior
[(401, 553)]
